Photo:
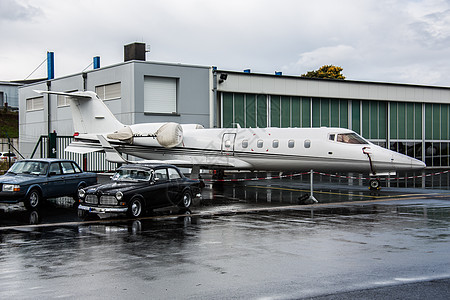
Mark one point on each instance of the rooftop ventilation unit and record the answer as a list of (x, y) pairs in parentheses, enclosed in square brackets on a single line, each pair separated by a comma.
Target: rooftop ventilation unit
[(134, 51)]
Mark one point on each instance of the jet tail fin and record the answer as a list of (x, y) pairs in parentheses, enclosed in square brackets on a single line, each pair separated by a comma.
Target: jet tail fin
[(89, 113)]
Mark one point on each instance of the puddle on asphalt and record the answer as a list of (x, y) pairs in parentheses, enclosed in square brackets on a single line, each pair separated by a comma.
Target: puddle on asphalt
[(218, 199)]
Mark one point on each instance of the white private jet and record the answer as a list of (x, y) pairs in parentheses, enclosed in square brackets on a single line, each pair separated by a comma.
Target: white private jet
[(192, 145)]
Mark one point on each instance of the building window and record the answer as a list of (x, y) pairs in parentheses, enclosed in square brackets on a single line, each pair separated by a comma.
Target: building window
[(35, 103), (62, 101), (109, 91), (160, 95)]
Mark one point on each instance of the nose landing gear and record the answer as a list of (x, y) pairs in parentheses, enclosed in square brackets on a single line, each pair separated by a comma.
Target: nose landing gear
[(374, 183)]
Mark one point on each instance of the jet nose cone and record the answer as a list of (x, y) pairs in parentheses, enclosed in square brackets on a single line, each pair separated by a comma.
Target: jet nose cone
[(406, 163)]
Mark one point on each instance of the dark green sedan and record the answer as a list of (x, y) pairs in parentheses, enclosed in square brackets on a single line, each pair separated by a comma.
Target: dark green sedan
[(33, 180)]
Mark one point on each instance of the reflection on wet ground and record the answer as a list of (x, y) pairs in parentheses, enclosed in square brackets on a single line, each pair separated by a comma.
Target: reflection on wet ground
[(232, 197), (242, 240)]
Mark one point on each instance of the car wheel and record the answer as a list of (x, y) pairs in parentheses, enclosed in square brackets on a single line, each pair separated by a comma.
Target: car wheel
[(33, 200), (34, 217), (76, 197), (186, 200), (136, 207)]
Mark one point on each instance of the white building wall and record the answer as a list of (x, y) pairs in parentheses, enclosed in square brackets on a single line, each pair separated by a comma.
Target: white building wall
[(10, 94), (192, 98)]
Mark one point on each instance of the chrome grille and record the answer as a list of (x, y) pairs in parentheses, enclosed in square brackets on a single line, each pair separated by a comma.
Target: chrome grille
[(92, 199), (108, 200)]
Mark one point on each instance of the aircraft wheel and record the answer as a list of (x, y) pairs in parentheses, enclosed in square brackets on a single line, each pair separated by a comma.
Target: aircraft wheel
[(374, 184)]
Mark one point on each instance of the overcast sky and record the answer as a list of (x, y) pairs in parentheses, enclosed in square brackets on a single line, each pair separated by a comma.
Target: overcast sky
[(373, 40)]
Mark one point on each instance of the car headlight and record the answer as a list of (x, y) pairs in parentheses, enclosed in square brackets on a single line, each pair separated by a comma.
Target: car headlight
[(11, 188), (119, 195), (81, 193)]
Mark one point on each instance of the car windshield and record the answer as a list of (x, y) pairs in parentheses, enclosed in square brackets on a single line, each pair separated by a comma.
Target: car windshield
[(132, 175), (350, 138), (29, 167)]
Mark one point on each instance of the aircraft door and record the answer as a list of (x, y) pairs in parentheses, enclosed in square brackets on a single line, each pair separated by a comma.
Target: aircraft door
[(228, 140)]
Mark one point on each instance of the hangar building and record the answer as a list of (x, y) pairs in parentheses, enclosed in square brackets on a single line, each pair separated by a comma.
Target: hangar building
[(411, 119)]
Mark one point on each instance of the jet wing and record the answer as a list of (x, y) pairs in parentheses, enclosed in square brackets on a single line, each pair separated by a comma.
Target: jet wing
[(179, 163), (113, 155)]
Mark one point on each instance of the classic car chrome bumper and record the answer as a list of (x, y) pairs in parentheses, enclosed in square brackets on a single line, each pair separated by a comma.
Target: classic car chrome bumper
[(103, 210)]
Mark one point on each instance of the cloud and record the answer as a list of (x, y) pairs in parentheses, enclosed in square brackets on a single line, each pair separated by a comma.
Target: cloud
[(412, 73), (433, 30), (335, 55), (12, 10), (375, 40)]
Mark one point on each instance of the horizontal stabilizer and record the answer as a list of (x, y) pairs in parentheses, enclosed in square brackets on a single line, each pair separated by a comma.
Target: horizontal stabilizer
[(77, 95), (111, 154), (89, 113), (81, 149)]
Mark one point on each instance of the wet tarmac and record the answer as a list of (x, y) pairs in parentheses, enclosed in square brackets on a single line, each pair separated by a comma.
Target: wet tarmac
[(249, 240)]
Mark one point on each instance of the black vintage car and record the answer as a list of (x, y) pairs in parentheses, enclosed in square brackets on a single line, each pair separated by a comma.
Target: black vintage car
[(136, 188)]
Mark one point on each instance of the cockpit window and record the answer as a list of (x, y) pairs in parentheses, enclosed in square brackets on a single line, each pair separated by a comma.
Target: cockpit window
[(350, 138)]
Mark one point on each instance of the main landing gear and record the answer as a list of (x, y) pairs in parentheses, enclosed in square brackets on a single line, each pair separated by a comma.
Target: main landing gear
[(218, 174)]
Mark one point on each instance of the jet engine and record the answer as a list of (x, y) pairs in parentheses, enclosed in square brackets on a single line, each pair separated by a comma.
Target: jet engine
[(124, 134), (167, 135)]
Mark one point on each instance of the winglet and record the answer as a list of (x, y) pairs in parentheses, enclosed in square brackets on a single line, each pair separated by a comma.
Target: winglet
[(112, 154)]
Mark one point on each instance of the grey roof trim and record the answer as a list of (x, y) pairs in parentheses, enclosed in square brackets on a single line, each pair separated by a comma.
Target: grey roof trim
[(333, 80)]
